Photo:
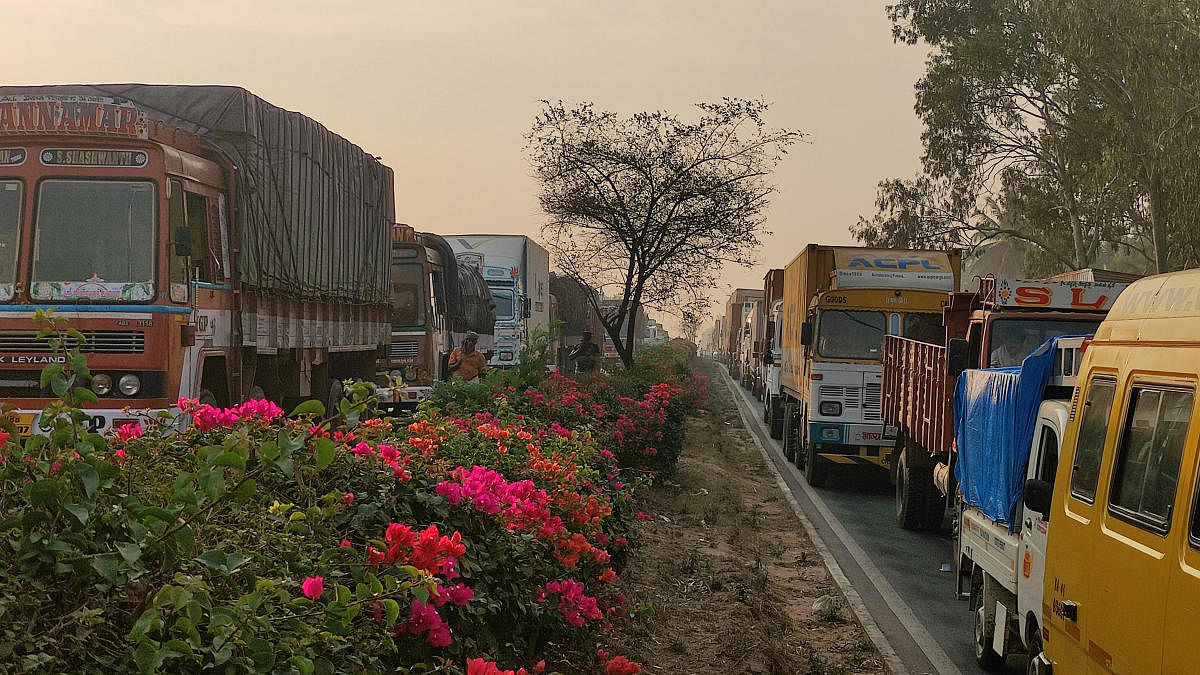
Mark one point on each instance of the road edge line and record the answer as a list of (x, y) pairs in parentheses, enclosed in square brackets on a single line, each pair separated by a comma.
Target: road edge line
[(861, 613)]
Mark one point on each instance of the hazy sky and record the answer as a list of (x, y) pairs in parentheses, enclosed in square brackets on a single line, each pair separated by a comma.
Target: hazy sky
[(444, 91)]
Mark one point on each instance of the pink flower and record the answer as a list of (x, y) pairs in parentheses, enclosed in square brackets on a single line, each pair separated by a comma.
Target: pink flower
[(313, 587), (642, 516), (128, 432), (362, 449), (119, 455), (461, 594), (348, 498), (346, 544)]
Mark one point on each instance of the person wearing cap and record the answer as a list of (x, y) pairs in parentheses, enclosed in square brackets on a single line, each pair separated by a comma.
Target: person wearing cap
[(466, 361), (584, 354)]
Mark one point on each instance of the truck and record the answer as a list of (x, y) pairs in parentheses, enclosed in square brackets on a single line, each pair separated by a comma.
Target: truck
[(435, 302), (766, 358), (1008, 425), (749, 345), (206, 243), (517, 271), (838, 304), (996, 325), (738, 307)]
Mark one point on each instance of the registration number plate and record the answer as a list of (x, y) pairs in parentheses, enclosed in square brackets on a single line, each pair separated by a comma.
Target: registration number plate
[(24, 423)]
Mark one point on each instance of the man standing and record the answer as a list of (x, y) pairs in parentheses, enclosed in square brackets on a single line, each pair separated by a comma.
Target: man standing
[(584, 354), (467, 362)]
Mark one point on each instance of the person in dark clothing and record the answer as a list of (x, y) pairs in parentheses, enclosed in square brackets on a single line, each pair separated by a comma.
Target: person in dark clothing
[(584, 354)]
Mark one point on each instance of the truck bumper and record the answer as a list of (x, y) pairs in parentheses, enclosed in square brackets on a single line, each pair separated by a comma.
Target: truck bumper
[(99, 419), (395, 399), (840, 433)]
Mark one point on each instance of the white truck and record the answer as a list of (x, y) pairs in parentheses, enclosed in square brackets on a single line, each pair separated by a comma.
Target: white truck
[(1008, 425), (517, 270)]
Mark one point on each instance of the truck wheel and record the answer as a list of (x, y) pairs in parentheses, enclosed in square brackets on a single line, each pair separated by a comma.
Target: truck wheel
[(815, 468), (984, 655), (789, 432), (935, 509), (911, 487), (776, 420), (1035, 648)]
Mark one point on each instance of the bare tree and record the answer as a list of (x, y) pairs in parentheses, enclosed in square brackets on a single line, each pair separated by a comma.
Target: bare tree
[(647, 208)]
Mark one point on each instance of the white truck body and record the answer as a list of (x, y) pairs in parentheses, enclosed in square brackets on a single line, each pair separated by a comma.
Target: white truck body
[(529, 264)]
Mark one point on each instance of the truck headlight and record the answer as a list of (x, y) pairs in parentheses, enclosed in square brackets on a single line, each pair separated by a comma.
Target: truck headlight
[(129, 384), (831, 434), (102, 384), (831, 408)]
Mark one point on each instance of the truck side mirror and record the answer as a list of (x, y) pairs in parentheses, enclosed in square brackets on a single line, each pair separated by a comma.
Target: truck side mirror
[(1037, 497), (957, 356), (183, 242), (806, 333), (526, 307)]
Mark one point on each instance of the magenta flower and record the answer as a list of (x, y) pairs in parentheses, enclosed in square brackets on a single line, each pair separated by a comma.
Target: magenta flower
[(313, 587), (128, 432), (348, 498)]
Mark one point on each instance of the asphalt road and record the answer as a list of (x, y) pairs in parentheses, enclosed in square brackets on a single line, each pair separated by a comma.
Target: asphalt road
[(896, 573)]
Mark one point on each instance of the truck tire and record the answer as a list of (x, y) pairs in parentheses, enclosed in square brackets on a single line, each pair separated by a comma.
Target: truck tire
[(911, 489), (1034, 647), (776, 421), (987, 659), (935, 509), (815, 468), (789, 432)]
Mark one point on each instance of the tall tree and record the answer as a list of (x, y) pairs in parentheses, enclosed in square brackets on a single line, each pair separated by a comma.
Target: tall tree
[(647, 208)]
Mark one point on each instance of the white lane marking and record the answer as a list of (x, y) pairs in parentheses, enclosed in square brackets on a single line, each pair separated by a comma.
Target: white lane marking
[(933, 651)]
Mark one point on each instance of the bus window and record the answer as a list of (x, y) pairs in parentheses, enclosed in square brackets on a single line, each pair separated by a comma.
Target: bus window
[(1093, 429), (1146, 471)]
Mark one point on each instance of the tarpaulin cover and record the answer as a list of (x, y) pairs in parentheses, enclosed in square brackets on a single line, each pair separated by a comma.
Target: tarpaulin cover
[(995, 412), (315, 209)]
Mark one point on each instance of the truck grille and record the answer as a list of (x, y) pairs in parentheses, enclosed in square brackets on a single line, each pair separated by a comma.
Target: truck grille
[(20, 384), (404, 350), (873, 403), (98, 342)]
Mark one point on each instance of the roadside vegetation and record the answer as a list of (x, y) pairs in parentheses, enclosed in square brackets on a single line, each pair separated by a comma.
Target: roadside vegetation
[(486, 531)]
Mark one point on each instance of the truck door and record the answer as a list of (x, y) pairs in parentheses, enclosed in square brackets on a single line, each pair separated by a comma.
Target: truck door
[(1183, 598), (1042, 465)]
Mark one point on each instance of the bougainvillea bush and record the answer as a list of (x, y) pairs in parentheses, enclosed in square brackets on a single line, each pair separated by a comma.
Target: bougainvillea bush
[(245, 540)]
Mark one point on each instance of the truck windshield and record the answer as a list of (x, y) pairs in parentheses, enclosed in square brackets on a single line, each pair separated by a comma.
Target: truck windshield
[(94, 239), (850, 334), (925, 327), (504, 304), (408, 294), (10, 227), (1014, 339)]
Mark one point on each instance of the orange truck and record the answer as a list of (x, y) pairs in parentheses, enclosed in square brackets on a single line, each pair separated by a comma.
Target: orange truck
[(995, 326), (838, 304), (205, 242)]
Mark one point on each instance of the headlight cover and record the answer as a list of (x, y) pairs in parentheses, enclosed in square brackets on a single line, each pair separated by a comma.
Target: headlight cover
[(129, 384), (831, 408), (102, 384)]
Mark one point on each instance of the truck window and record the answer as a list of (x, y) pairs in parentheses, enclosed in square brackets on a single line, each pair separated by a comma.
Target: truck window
[(1093, 429), (197, 225), (504, 304), (95, 230), (850, 334), (408, 294), (1013, 339), (1146, 471), (10, 228), (1048, 455), (925, 327)]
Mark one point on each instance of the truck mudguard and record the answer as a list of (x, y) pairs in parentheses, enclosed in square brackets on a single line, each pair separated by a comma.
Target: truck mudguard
[(995, 413)]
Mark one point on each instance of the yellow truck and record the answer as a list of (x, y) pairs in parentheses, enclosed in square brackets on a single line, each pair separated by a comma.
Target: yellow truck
[(838, 304), (1122, 567)]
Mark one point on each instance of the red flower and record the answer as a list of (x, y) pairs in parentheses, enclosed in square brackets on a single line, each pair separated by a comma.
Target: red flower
[(346, 543), (348, 498)]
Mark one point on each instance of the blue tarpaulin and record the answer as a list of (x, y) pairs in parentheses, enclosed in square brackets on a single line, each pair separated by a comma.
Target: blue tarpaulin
[(995, 412)]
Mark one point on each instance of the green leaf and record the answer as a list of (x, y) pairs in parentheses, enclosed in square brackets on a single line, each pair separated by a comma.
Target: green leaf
[(79, 365), (245, 491), (391, 610), (106, 566), (230, 459), (214, 559), (302, 664), (326, 451), (310, 407), (373, 583), (88, 476), (147, 657), (288, 444), (176, 648), (35, 443), (44, 491), (60, 385), (49, 372), (212, 481), (74, 333), (80, 512), (421, 593), (185, 540), (234, 560), (343, 594), (83, 394), (130, 552), (269, 450)]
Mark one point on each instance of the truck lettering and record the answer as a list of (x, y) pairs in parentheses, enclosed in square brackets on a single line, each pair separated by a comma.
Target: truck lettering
[(893, 264), (1033, 296), (21, 359)]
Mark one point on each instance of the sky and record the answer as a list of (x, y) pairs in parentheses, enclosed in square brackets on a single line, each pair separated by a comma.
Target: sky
[(444, 91)]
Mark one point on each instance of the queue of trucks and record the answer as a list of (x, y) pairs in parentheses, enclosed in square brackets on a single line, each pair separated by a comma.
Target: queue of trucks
[(210, 245), (1014, 403)]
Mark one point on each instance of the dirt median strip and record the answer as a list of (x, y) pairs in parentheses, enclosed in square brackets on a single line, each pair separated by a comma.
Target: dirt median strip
[(725, 579)]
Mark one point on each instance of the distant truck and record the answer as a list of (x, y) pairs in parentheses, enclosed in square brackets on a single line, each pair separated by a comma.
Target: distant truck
[(517, 270), (997, 325), (206, 243), (838, 304), (767, 356), (435, 302), (1008, 426)]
